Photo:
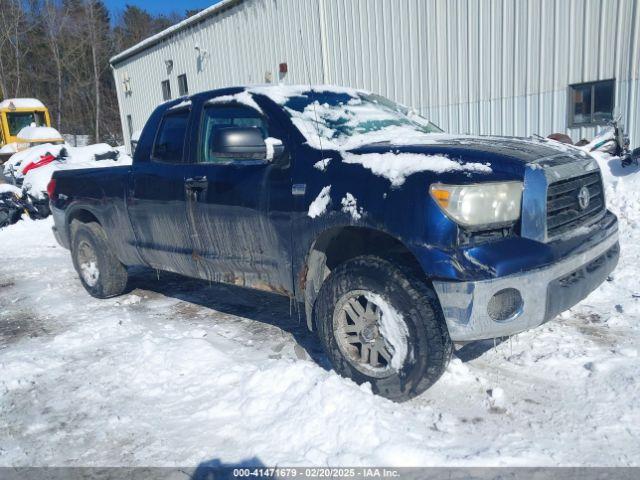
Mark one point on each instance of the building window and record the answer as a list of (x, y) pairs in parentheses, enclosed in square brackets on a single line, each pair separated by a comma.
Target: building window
[(130, 125), (166, 90), (591, 103), (183, 88)]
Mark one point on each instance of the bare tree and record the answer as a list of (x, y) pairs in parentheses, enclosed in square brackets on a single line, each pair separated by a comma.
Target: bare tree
[(90, 12), (12, 23), (55, 19)]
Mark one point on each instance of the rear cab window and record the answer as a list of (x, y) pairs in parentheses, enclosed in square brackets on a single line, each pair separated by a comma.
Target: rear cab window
[(170, 138)]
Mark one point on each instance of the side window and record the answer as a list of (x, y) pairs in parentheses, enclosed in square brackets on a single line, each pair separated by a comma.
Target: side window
[(169, 144), (217, 118)]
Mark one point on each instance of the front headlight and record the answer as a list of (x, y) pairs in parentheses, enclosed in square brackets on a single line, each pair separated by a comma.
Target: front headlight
[(481, 204)]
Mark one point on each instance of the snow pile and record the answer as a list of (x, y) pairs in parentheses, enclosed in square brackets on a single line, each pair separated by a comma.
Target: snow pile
[(322, 164), (319, 205), (7, 188), (35, 181), (35, 134), (350, 206), (9, 148), (396, 167), (182, 104), (271, 143), (622, 185), (21, 103), (393, 328)]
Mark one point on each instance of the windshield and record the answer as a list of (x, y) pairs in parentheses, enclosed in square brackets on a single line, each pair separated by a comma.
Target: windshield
[(345, 120), (19, 120)]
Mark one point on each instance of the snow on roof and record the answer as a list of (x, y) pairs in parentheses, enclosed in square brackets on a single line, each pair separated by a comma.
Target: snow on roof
[(280, 93), (158, 37), (38, 133), (21, 103), (243, 98)]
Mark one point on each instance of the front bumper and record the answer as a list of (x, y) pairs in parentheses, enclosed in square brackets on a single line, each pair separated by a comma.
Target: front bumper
[(545, 293)]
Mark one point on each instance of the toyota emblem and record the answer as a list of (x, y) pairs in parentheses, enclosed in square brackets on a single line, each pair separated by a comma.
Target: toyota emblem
[(584, 197)]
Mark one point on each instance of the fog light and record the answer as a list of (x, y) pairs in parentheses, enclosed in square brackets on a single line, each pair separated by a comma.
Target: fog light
[(504, 304)]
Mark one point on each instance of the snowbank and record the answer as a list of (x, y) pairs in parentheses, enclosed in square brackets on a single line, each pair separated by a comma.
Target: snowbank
[(181, 372), (35, 181), (5, 187)]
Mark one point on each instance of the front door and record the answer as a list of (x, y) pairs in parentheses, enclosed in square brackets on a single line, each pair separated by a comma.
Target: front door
[(157, 200), (240, 206)]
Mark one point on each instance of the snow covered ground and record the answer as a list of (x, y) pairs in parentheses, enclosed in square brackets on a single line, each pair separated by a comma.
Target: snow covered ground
[(179, 372)]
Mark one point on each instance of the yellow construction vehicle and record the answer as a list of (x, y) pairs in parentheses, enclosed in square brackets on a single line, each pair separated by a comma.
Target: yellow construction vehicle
[(24, 122)]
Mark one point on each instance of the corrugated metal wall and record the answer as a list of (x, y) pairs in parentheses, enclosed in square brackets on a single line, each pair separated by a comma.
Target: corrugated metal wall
[(472, 66)]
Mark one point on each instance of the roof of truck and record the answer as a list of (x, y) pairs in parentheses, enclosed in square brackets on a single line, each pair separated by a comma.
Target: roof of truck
[(11, 103)]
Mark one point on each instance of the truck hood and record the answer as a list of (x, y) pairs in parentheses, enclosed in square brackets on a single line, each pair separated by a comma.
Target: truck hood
[(480, 149)]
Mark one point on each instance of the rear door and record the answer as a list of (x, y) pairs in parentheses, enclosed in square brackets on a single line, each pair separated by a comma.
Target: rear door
[(157, 199), (241, 207)]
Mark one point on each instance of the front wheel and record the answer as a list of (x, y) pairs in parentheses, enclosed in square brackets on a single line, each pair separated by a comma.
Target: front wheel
[(100, 272), (379, 324)]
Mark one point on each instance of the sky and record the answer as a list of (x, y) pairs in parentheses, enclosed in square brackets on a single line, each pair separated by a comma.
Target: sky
[(159, 6)]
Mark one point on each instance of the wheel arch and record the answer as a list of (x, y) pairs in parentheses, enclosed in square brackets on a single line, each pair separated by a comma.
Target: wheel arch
[(339, 244), (81, 214)]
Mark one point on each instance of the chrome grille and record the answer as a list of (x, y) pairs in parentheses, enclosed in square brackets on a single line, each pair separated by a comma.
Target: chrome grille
[(563, 207)]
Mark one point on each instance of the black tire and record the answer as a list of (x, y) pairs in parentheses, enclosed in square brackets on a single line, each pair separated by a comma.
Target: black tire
[(103, 276), (428, 344)]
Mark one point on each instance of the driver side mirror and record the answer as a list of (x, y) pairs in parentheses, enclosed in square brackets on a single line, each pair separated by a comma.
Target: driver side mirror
[(239, 143)]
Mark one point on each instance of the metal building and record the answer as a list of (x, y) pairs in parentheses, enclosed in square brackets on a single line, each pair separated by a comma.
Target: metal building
[(509, 67)]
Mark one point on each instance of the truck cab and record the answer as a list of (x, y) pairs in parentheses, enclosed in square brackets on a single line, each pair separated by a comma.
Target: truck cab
[(17, 114)]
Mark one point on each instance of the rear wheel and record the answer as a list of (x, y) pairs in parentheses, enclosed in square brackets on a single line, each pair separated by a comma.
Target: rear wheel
[(379, 324), (100, 272)]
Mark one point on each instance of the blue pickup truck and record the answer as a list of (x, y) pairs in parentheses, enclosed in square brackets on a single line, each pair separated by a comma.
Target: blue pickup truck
[(398, 238)]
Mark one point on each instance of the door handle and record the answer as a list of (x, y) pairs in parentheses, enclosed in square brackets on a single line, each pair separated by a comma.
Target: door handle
[(196, 183)]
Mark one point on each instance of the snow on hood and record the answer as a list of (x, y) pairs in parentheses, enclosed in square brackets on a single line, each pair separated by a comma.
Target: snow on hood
[(21, 103), (34, 134), (396, 167)]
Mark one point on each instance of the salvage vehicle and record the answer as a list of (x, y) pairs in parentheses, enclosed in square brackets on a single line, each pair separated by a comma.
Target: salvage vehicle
[(24, 122), (397, 238)]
